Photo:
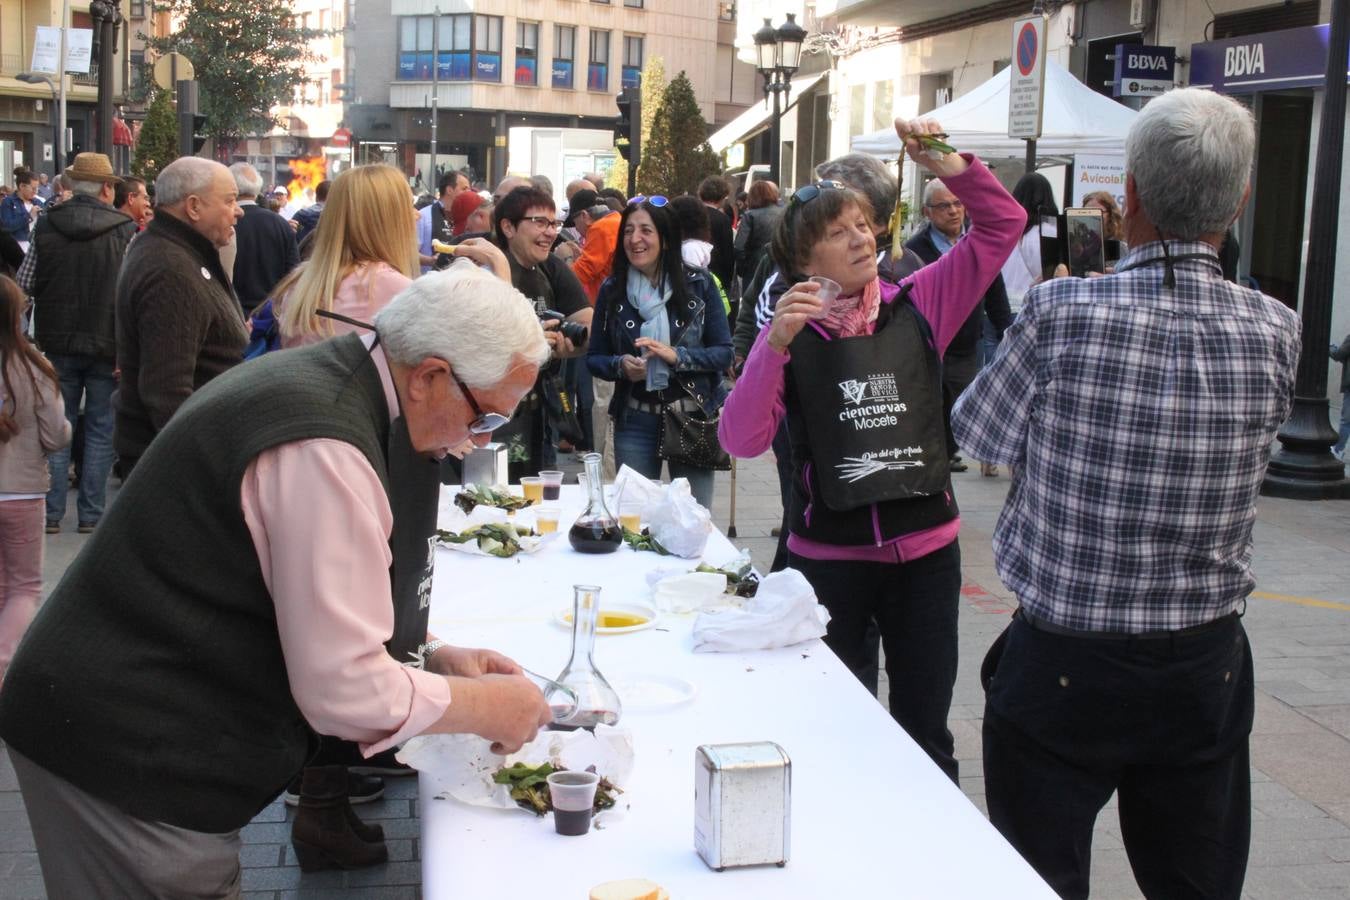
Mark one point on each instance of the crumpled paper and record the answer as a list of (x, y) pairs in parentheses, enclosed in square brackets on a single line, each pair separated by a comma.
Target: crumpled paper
[(456, 520), (783, 612), (462, 765), (678, 522)]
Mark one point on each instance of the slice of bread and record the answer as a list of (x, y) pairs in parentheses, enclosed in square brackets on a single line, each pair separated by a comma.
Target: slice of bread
[(629, 889)]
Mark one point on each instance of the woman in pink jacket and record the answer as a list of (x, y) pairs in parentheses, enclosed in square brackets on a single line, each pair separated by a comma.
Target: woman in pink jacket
[(872, 518), (32, 424)]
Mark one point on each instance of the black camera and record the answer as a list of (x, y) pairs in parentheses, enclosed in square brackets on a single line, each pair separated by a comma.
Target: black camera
[(573, 331)]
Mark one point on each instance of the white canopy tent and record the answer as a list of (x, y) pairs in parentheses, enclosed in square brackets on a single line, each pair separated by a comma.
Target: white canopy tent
[(1076, 119)]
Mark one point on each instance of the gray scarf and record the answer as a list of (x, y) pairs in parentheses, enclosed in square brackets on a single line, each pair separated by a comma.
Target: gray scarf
[(651, 305)]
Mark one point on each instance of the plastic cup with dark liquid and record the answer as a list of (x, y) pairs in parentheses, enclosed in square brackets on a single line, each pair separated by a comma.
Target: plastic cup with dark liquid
[(829, 289), (552, 485), (573, 796)]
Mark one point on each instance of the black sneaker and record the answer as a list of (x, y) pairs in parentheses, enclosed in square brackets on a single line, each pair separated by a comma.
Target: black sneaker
[(360, 789), (382, 764), (958, 466)]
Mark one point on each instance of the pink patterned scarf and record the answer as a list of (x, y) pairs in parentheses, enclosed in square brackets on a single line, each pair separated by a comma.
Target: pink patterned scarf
[(849, 316)]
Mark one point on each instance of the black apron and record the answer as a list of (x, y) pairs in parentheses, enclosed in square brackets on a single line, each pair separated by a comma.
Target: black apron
[(414, 496), (872, 405)]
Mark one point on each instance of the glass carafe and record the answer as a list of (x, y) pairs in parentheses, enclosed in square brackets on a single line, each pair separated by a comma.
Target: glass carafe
[(597, 702), (597, 529)]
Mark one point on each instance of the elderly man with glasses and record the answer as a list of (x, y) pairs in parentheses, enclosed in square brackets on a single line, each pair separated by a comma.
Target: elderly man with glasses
[(156, 706), (946, 224)]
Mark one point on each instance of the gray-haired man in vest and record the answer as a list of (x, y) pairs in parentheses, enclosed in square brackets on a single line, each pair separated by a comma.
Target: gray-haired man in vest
[(239, 598)]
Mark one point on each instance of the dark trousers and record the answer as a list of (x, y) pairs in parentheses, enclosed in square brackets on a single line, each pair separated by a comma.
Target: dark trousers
[(1162, 721), (914, 606), (958, 371), (782, 455)]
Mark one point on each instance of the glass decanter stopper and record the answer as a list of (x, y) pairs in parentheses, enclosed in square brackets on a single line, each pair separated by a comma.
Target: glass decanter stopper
[(597, 702), (597, 529)]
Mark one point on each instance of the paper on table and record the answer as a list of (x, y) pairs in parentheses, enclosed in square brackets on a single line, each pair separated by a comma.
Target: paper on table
[(462, 765), (783, 612), (679, 522), (457, 521)]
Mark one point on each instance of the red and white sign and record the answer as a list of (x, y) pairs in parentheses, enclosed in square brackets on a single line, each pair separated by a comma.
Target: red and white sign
[(1026, 87), (341, 138)]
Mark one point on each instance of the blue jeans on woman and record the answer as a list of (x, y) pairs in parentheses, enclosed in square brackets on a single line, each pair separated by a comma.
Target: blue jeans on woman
[(635, 445), (1339, 449), (92, 379)]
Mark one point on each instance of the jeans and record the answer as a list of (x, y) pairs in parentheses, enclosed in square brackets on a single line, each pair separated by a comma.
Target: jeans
[(92, 379), (914, 605), (1163, 722), (635, 445)]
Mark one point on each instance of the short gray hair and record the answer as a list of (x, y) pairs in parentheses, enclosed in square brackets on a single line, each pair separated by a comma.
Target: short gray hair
[(84, 188), (470, 318), (183, 177), (932, 188), (1190, 153), (246, 179), (868, 176), (543, 183)]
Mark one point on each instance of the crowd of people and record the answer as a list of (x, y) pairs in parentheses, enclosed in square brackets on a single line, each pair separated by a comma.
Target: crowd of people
[(292, 655)]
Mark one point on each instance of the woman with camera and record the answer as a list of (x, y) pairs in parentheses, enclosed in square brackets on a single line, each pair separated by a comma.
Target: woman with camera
[(662, 336), (526, 224), (872, 520)]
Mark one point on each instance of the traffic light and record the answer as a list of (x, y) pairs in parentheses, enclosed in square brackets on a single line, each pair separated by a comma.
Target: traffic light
[(198, 138), (628, 129)]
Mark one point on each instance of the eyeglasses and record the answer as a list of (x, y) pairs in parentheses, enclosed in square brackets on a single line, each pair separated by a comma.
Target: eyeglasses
[(946, 207), (657, 200), (543, 222), (483, 423), (809, 192)]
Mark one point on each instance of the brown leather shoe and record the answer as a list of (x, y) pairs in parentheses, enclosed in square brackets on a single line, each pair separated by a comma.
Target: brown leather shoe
[(326, 833)]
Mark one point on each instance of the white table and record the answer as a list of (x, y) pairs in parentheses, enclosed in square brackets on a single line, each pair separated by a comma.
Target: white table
[(871, 815)]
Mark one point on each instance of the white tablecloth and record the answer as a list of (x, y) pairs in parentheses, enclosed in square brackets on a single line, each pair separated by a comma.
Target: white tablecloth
[(871, 815)]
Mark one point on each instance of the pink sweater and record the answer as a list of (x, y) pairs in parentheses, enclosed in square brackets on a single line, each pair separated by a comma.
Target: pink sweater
[(944, 293), (360, 295)]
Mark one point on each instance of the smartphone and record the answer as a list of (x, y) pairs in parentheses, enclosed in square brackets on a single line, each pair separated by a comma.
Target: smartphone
[(1086, 234), (1051, 229)]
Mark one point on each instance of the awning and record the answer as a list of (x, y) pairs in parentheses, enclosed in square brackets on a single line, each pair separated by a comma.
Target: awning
[(753, 118), (121, 133)]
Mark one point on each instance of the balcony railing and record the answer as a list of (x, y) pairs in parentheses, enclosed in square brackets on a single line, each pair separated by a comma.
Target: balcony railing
[(11, 63)]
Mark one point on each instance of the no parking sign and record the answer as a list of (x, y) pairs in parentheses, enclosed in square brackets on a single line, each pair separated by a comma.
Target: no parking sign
[(1027, 75)]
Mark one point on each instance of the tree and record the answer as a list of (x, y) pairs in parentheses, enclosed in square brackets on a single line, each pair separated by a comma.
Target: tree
[(249, 56), (653, 87), (677, 157), (157, 145)]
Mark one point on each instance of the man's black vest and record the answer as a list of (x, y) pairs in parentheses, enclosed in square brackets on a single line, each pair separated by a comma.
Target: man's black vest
[(864, 419), (80, 244), (153, 677)]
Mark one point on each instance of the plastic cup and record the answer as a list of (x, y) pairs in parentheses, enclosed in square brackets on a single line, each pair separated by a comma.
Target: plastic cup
[(573, 795), (546, 519), (630, 514), (552, 484), (533, 488), (829, 289)]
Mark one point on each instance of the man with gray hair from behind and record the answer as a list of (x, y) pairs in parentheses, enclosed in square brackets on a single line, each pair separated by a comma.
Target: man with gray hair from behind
[(265, 245), (1138, 411), (308, 520)]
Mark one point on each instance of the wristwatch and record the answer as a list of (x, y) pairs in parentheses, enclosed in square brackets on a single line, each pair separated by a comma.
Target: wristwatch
[(430, 648)]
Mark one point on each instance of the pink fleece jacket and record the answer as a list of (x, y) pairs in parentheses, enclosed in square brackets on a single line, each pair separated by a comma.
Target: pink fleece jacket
[(945, 293)]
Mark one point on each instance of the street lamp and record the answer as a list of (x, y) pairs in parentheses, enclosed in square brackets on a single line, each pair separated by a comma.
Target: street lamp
[(107, 17), (778, 54), (39, 78)]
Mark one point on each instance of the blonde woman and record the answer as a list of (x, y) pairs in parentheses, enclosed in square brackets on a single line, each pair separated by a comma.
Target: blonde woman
[(365, 253)]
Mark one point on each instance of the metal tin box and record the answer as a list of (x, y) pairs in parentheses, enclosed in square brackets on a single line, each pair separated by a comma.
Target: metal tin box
[(486, 466), (742, 804)]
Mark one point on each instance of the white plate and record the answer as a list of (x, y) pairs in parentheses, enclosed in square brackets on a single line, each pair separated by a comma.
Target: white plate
[(563, 616), (649, 692)]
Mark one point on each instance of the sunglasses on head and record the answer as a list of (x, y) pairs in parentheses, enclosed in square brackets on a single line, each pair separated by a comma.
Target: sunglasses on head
[(657, 200), (810, 192), (483, 423)]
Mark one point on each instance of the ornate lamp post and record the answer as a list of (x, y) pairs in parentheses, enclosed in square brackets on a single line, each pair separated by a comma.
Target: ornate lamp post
[(778, 56)]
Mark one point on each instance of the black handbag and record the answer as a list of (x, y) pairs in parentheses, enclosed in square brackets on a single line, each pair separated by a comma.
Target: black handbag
[(690, 438)]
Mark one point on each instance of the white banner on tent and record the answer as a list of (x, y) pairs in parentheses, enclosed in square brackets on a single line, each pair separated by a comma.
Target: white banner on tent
[(1099, 172)]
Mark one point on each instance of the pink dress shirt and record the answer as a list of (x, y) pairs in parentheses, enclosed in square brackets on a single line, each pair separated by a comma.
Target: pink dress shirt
[(944, 293), (320, 523)]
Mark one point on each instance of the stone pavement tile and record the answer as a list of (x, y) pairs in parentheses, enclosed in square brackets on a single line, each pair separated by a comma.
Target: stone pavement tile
[(23, 887), (400, 850), (402, 892), (8, 780), (15, 836), (16, 864), (1326, 878), (384, 808), (260, 856), (1334, 718), (1273, 883), (280, 878), (11, 800), (273, 812), (258, 895), (390, 874), (403, 787), (266, 833)]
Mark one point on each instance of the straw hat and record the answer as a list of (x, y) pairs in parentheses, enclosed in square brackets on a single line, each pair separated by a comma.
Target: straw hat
[(92, 167)]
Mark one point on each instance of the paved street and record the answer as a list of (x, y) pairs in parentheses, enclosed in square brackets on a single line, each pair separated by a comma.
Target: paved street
[(1299, 622)]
